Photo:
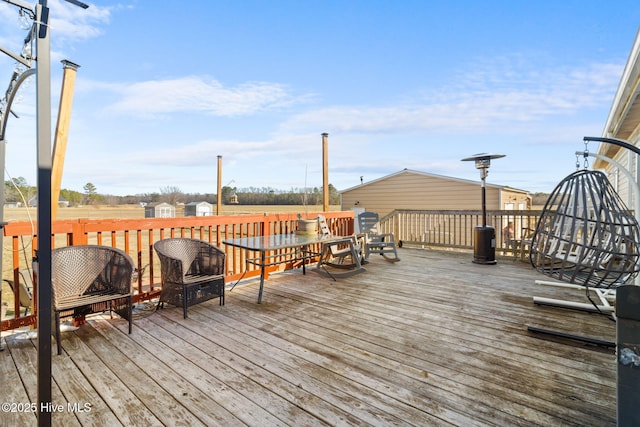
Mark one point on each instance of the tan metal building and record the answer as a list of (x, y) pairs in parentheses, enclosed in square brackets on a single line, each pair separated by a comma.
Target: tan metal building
[(410, 189)]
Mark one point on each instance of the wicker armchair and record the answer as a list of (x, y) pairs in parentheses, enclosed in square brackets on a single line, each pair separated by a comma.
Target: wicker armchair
[(192, 272), (89, 279)]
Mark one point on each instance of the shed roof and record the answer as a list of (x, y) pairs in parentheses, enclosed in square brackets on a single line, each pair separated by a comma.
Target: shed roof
[(157, 204), (433, 175)]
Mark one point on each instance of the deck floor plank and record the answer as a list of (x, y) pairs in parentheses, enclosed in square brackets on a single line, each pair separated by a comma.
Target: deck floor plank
[(281, 369), (326, 373), (194, 388), (423, 359), (431, 340), (455, 359), (12, 389), (116, 394), (124, 361), (222, 374), (78, 390), (320, 350)]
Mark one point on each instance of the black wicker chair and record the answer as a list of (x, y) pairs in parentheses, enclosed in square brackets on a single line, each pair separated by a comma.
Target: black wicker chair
[(192, 272), (90, 279)]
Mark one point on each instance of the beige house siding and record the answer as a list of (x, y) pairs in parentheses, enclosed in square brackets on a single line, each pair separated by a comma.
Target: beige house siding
[(422, 191), (619, 179), (623, 123)]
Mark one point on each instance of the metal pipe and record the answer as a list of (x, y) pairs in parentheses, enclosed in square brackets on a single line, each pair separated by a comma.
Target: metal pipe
[(219, 198), (484, 201), (613, 141), (11, 95), (4, 116), (325, 172)]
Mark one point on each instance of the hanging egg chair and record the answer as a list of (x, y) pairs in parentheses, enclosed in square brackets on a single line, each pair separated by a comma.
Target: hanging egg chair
[(586, 235)]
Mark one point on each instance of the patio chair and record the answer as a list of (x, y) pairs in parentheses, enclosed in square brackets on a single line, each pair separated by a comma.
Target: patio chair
[(88, 279), (341, 254), (523, 246), (192, 272), (26, 289), (374, 241)]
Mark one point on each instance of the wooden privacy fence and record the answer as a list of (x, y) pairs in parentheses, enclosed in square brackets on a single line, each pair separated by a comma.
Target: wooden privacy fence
[(137, 236), (454, 228)]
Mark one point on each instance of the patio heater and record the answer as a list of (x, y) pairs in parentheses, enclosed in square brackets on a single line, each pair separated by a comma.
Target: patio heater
[(484, 248)]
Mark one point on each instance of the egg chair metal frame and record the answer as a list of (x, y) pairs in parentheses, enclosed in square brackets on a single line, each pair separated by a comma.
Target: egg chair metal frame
[(586, 235), (605, 296), (587, 239), (601, 252)]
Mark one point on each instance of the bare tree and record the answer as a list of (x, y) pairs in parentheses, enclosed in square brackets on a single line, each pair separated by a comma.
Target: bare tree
[(171, 194)]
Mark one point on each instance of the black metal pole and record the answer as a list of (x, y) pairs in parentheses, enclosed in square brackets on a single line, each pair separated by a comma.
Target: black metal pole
[(43, 101), (484, 203), (628, 355), (613, 141)]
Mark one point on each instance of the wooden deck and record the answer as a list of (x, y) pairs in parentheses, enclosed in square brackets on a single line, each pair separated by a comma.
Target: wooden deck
[(431, 340)]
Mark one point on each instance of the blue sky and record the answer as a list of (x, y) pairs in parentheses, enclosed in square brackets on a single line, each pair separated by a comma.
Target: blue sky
[(164, 87)]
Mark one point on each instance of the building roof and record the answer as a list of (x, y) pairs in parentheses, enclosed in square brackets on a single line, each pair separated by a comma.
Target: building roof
[(157, 204), (433, 175)]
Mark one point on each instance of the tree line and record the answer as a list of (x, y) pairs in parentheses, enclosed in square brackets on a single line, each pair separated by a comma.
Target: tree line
[(18, 190)]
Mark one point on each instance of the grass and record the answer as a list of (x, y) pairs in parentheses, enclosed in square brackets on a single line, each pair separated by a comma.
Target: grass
[(135, 211)]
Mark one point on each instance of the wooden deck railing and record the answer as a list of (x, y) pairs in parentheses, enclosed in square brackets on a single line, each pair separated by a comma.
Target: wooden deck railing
[(454, 229), (446, 229), (137, 236)]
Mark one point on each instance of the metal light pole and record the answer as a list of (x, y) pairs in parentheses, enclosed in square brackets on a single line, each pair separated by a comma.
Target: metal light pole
[(325, 172), (219, 198), (484, 251), (39, 33), (43, 254)]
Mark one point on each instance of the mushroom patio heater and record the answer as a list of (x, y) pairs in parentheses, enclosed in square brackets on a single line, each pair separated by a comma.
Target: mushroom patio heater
[(484, 248)]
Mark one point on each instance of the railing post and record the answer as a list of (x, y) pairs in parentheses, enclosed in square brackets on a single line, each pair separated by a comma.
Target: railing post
[(79, 232)]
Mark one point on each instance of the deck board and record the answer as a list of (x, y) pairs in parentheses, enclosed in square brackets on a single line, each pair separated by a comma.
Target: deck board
[(431, 340)]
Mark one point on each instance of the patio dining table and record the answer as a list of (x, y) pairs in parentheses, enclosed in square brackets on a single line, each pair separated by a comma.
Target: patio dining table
[(277, 242)]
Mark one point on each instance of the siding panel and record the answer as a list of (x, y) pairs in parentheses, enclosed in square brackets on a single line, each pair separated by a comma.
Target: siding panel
[(420, 191)]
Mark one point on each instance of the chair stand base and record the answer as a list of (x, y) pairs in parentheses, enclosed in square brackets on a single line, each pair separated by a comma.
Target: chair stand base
[(186, 295), (600, 309), (334, 274), (573, 337)]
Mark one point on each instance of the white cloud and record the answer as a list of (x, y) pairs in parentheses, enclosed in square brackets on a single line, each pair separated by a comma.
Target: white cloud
[(66, 20), (484, 99), (199, 94)]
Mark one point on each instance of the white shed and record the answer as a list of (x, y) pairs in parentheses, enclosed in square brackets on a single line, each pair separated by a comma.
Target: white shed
[(198, 209), (159, 210)]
